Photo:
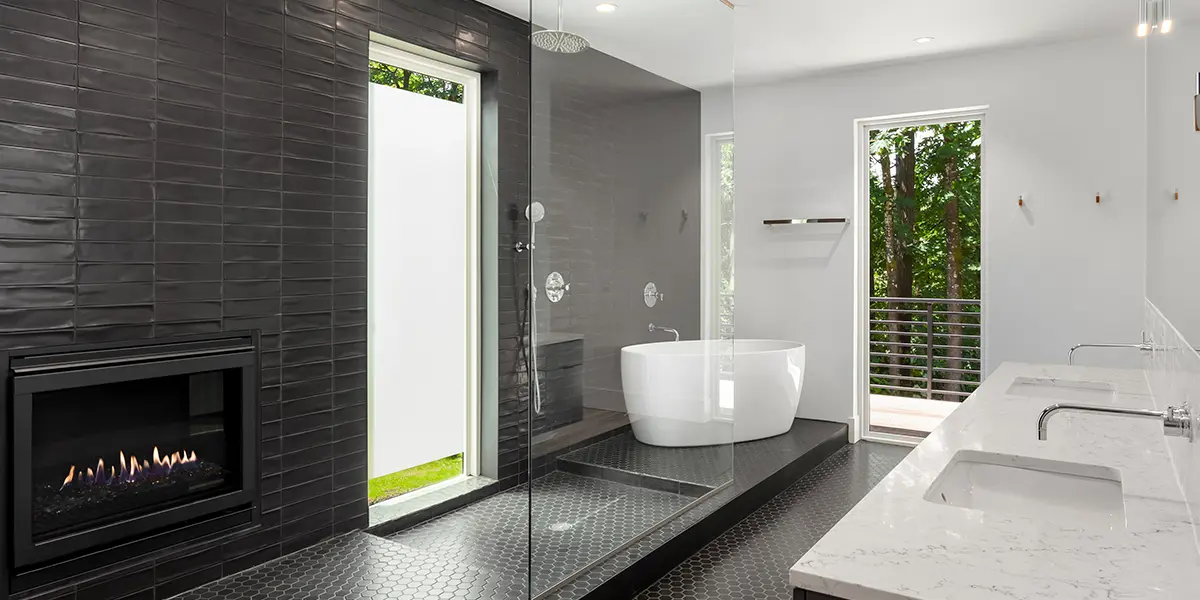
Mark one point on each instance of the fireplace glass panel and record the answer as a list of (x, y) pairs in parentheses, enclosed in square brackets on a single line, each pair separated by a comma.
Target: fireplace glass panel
[(109, 452)]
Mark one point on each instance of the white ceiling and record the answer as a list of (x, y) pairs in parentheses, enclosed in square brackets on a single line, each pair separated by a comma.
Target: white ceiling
[(687, 41), (691, 41)]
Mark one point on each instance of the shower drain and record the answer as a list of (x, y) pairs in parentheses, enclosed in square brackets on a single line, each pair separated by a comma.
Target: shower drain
[(561, 526)]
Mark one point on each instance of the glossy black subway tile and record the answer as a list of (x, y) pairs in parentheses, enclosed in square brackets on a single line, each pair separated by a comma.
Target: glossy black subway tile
[(190, 95), (126, 41), (115, 273), (114, 145), (123, 20), (192, 14), (119, 83), (37, 69), (16, 111), (48, 23), (109, 60), (95, 122), (115, 210), (176, 291)]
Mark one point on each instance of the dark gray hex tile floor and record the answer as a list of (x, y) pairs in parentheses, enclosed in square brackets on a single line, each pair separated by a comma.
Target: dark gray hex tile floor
[(751, 560), (575, 521), (358, 566), (481, 552)]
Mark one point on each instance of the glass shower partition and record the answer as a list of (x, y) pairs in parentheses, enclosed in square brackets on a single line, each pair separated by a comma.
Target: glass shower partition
[(630, 224)]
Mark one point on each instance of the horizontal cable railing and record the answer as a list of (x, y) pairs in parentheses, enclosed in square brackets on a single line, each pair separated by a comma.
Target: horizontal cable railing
[(926, 347)]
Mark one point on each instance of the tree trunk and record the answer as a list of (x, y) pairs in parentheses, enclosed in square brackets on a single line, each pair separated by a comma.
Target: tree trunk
[(954, 264), (891, 255), (901, 286)]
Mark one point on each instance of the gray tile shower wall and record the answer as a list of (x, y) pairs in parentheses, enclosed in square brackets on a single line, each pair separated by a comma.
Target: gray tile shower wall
[(183, 166), (617, 159)]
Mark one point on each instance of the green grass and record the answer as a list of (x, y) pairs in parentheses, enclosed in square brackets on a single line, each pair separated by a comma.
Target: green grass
[(415, 478)]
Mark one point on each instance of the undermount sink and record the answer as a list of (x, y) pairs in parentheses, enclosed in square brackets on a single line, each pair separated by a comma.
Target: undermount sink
[(1056, 491), (1063, 390)]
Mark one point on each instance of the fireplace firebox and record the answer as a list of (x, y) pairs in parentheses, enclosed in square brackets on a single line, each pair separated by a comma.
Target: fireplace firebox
[(117, 444)]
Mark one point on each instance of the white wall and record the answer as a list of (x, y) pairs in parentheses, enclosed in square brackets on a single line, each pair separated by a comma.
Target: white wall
[(716, 110), (1066, 121), (417, 238), (1173, 271)]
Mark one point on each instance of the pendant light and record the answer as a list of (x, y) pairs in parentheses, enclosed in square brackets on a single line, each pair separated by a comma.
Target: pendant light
[(1154, 15)]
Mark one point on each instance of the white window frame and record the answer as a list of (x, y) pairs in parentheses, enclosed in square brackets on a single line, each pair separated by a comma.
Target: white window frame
[(710, 235), (861, 421), (470, 80)]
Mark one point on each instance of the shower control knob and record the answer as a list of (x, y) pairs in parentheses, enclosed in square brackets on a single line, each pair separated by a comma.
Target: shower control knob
[(651, 295), (522, 246), (556, 287)]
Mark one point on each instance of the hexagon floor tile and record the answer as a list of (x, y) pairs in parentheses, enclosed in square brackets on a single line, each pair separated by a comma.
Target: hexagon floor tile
[(358, 565), (751, 560), (576, 520), (481, 551)]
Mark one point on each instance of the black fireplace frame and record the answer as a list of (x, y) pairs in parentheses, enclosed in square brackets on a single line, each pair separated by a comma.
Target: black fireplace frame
[(44, 369)]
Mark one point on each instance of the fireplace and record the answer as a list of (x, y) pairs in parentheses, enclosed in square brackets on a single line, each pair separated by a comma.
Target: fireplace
[(116, 447)]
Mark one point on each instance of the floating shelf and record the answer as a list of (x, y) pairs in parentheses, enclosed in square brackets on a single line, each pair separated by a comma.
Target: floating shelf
[(805, 221)]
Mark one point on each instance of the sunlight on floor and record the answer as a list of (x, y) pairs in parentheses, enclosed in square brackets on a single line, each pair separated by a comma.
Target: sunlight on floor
[(919, 415)]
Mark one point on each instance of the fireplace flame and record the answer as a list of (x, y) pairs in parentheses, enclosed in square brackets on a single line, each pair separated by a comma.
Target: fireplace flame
[(131, 469)]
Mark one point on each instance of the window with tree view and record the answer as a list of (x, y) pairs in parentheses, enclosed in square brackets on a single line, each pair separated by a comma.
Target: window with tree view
[(419, 83), (925, 312), (726, 199)]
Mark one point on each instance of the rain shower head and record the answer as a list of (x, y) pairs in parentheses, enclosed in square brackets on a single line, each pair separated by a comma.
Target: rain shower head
[(557, 40), (560, 40)]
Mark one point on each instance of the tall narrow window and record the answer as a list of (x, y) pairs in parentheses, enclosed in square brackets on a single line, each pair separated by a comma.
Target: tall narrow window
[(718, 276), (423, 280)]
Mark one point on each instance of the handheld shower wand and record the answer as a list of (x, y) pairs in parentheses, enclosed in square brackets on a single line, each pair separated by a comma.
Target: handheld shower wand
[(535, 212)]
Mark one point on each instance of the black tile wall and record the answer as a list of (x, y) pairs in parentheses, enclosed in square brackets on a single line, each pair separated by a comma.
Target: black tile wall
[(183, 166), (615, 221)]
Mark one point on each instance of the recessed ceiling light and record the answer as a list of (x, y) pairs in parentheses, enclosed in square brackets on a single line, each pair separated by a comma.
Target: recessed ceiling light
[(607, 7), (923, 40)]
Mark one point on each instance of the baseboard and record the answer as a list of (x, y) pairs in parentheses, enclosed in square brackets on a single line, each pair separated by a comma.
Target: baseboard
[(855, 434)]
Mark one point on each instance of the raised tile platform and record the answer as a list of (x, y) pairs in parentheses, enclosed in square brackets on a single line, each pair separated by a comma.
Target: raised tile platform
[(703, 469)]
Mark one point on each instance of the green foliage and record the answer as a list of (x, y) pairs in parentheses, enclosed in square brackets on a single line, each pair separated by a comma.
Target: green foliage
[(402, 482), (936, 145), (413, 81)]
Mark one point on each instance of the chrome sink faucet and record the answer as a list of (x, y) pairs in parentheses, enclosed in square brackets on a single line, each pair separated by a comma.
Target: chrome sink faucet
[(1147, 345), (1176, 420), (654, 328)]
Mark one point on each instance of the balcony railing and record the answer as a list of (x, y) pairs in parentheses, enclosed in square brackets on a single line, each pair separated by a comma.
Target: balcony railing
[(926, 347)]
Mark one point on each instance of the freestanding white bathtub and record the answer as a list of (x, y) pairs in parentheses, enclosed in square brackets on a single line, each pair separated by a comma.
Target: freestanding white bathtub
[(676, 397)]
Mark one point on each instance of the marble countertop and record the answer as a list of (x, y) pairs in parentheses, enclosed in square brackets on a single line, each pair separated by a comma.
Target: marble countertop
[(895, 545)]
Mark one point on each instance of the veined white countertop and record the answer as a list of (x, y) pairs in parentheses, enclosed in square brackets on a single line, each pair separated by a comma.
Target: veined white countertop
[(895, 545)]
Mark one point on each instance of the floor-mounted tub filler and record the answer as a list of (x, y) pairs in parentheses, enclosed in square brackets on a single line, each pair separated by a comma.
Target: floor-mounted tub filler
[(682, 393)]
